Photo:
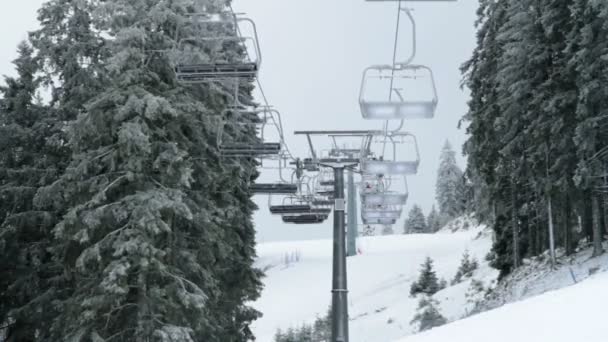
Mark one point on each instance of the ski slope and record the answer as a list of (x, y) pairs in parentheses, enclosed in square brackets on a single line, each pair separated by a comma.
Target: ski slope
[(298, 281), (575, 313)]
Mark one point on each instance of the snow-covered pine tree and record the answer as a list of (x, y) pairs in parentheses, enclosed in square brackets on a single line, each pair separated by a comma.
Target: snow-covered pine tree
[(535, 148), (161, 243), (72, 53), (467, 266), (433, 220), (480, 73), (428, 315), (427, 282), (587, 46), (416, 222), (387, 229), (69, 54), (558, 98), (29, 159), (450, 185)]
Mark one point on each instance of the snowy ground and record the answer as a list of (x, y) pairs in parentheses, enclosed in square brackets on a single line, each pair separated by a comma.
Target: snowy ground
[(298, 281), (573, 313), (537, 277)]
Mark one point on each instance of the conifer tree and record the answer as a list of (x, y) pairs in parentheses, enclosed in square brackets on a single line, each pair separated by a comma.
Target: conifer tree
[(433, 221), (467, 266), (450, 185), (587, 48), (428, 315), (387, 229), (427, 282), (159, 235), (29, 159), (416, 222), (524, 151)]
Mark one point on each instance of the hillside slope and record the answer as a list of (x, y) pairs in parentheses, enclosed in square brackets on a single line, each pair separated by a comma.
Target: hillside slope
[(573, 313), (298, 281)]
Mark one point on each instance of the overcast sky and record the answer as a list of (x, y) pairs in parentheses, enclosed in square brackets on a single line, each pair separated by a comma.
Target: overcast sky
[(314, 53)]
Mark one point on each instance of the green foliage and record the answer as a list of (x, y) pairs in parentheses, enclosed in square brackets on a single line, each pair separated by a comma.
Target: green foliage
[(427, 282), (467, 266), (450, 190), (428, 315), (117, 212), (319, 331), (29, 159), (536, 133), (416, 222), (434, 221)]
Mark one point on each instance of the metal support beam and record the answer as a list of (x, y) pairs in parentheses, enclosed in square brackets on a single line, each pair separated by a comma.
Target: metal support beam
[(339, 306), (351, 236)]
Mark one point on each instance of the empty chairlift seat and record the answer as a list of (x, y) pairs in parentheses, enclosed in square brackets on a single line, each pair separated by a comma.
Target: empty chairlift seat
[(321, 211), (385, 213), (305, 219), (238, 125), (216, 47), (250, 150), (276, 188), (384, 199), (326, 193), (322, 202), (382, 221), (290, 209), (195, 73), (393, 92), (393, 166)]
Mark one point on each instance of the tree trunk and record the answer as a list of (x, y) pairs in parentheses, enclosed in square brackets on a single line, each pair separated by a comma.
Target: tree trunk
[(601, 213), (143, 316), (597, 229), (587, 216), (605, 198), (568, 227), (515, 226), (551, 230), (538, 243), (530, 228)]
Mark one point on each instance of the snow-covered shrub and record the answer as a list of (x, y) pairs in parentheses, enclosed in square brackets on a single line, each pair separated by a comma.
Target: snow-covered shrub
[(427, 282), (428, 315), (466, 269)]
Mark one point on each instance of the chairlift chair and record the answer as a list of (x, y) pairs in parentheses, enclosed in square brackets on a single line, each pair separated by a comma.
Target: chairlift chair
[(326, 193), (384, 199), (274, 188), (382, 166), (195, 65), (290, 209), (386, 101), (322, 202), (250, 150), (245, 121), (305, 219), (300, 208), (380, 221), (382, 212)]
